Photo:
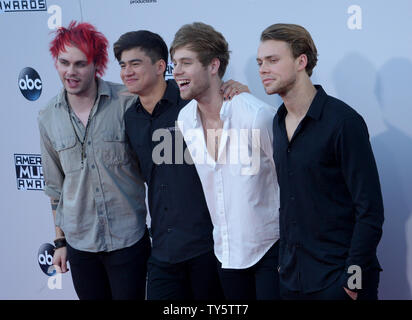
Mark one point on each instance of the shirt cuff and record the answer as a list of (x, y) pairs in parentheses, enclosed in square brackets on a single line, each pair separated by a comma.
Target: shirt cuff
[(51, 192)]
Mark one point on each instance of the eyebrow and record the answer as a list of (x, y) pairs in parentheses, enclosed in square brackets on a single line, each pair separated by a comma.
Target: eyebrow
[(184, 58), (268, 57), (75, 62), (130, 61)]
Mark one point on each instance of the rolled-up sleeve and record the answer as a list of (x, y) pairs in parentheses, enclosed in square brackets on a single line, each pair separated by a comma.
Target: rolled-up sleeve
[(52, 170)]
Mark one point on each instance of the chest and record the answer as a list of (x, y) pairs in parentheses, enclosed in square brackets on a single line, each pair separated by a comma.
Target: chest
[(212, 132), (83, 117), (156, 140), (291, 124), (307, 146)]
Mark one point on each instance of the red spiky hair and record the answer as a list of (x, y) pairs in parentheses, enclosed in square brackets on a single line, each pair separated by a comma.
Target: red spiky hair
[(86, 38)]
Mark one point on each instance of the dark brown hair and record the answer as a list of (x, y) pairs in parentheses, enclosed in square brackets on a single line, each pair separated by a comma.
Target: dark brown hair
[(298, 38)]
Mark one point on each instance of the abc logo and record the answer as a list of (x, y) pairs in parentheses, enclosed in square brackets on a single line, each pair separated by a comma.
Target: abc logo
[(30, 84), (45, 259)]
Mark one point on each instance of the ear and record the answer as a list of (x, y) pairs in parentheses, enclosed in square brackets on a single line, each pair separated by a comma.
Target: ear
[(302, 62), (214, 66), (161, 67)]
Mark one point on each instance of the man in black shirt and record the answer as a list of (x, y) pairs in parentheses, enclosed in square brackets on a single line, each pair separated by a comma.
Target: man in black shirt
[(331, 210), (182, 264)]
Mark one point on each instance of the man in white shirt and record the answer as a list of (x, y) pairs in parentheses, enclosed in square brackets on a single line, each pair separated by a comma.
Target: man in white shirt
[(235, 164)]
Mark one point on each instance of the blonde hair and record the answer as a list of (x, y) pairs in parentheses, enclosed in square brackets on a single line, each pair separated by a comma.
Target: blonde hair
[(205, 41)]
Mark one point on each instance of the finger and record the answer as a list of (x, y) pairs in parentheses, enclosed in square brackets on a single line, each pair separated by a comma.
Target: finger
[(58, 269), (225, 85), (64, 265), (351, 294), (244, 88), (230, 92), (56, 259)]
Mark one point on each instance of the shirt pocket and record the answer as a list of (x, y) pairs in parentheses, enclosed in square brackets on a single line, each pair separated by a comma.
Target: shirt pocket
[(240, 170), (69, 153), (116, 150)]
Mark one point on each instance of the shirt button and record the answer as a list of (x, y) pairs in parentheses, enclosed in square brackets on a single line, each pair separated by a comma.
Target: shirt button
[(97, 189), (89, 143), (288, 150), (93, 166), (165, 208)]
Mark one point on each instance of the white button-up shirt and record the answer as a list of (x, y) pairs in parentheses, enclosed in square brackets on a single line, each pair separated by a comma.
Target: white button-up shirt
[(241, 187)]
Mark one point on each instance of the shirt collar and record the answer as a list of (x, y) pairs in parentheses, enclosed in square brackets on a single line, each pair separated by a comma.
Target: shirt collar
[(103, 89), (225, 112), (195, 114), (170, 97), (315, 109)]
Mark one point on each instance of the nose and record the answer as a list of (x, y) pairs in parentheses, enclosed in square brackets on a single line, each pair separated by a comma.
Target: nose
[(128, 70), (177, 70), (262, 68), (71, 69)]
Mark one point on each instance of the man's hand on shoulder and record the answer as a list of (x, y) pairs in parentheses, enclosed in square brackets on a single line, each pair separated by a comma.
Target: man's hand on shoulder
[(231, 88)]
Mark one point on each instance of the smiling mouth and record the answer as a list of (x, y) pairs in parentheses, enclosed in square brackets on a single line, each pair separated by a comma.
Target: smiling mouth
[(72, 82), (130, 80), (183, 84)]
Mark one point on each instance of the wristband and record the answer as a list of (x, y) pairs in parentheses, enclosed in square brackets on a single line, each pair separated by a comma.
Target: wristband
[(60, 243)]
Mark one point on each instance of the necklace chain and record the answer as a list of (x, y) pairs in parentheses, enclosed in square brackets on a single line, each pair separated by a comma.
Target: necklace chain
[(82, 142)]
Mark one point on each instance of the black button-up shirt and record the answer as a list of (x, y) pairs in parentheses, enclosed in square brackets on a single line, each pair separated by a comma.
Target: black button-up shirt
[(331, 210), (181, 226)]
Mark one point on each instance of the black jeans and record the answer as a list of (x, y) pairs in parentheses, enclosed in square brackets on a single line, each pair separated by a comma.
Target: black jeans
[(193, 279), (369, 291), (117, 275), (259, 282)]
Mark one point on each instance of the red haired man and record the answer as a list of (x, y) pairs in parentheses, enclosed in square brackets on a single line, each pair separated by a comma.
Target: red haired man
[(97, 194)]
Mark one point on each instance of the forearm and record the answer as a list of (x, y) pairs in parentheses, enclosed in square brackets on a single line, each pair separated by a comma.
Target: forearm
[(58, 230), (365, 239), (60, 253), (362, 179)]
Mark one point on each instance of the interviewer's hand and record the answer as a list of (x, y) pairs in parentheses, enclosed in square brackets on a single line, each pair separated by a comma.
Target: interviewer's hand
[(231, 88), (60, 260)]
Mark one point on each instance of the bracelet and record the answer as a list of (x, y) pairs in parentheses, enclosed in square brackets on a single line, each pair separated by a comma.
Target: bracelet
[(60, 243)]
